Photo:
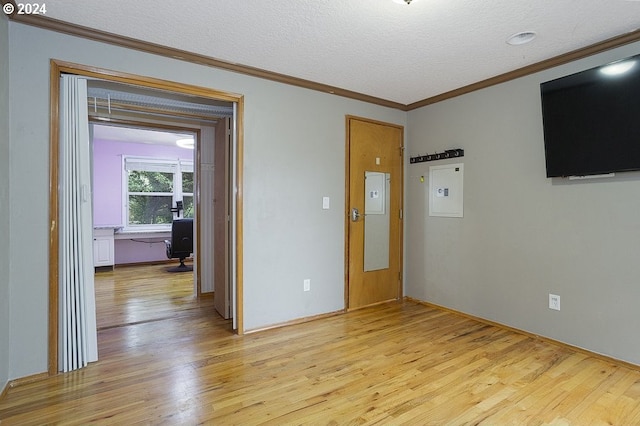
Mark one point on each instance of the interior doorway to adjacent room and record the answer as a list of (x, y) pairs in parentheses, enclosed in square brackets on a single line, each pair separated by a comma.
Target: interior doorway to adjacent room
[(171, 102)]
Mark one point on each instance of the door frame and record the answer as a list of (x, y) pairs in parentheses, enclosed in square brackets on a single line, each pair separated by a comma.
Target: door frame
[(347, 213), (57, 68)]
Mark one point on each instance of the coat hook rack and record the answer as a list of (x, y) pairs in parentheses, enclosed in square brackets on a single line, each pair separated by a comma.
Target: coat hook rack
[(449, 153)]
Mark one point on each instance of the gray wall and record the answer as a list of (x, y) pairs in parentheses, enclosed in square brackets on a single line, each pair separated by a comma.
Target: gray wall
[(294, 155), (524, 236), (5, 219)]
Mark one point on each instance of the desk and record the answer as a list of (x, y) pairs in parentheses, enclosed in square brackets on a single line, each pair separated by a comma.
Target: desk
[(111, 244), (133, 235)]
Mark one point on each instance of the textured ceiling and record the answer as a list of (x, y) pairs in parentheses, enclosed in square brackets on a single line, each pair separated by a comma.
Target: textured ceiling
[(401, 53)]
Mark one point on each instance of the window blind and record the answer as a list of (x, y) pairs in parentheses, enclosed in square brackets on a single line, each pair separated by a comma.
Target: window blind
[(144, 165)]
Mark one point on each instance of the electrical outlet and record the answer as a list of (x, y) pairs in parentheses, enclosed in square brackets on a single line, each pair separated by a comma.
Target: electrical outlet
[(307, 284), (554, 302)]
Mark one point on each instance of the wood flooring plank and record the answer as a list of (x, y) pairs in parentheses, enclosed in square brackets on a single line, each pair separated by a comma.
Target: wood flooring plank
[(166, 357)]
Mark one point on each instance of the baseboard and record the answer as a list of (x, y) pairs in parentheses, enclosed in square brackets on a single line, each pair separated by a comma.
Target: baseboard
[(4, 391), (23, 381), (578, 349), (374, 304), (296, 321), (151, 263)]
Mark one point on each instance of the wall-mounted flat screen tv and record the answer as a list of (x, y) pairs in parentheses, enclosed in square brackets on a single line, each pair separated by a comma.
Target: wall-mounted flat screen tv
[(591, 120)]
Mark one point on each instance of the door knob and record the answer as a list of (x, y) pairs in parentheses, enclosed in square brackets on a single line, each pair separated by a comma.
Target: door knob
[(355, 214)]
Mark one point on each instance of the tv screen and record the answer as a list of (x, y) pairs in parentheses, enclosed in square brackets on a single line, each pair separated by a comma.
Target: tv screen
[(592, 120)]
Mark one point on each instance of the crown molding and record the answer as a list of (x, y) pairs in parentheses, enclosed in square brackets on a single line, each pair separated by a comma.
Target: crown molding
[(183, 55), (153, 48), (533, 68)]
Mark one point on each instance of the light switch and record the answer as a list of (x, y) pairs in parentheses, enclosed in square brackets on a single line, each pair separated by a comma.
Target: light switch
[(325, 203)]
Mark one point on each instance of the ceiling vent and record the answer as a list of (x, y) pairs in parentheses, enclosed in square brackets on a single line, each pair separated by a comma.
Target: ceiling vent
[(521, 38)]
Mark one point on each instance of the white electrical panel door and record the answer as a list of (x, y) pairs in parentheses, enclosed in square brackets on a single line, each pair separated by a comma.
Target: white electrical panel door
[(445, 190)]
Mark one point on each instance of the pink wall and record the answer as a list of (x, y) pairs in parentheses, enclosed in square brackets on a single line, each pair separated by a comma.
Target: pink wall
[(107, 195), (136, 251), (107, 175)]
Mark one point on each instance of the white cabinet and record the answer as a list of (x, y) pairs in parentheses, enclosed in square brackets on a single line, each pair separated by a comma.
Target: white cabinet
[(103, 251)]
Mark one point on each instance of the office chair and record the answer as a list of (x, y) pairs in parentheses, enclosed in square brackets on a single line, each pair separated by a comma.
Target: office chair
[(181, 244)]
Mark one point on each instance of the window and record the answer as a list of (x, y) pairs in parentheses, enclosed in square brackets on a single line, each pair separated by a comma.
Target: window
[(152, 188)]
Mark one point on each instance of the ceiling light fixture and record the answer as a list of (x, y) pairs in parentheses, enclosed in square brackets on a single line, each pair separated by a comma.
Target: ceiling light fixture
[(188, 143), (617, 68), (521, 38), (403, 1)]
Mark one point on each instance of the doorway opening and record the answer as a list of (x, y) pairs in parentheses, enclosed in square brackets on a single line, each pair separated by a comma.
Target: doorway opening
[(136, 113), (142, 173)]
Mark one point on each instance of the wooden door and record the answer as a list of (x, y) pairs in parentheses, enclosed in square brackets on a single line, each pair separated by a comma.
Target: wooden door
[(221, 219), (375, 150)]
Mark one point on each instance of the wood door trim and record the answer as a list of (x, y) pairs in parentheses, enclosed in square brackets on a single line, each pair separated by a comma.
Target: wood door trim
[(347, 201), (54, 238), (57, 68), (347, 212)]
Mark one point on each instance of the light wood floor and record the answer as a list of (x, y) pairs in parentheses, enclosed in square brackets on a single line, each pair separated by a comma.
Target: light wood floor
[(136, 294), (398, 363)]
